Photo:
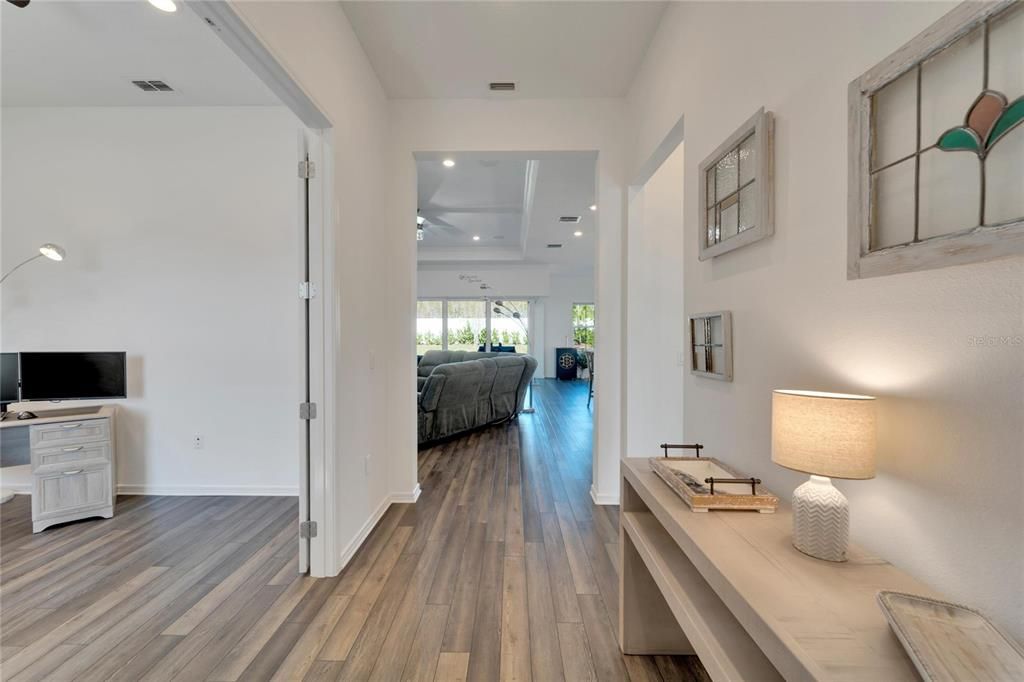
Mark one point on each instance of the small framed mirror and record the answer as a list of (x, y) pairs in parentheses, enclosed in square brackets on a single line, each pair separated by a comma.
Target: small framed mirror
[(736, 189), (711, 345)]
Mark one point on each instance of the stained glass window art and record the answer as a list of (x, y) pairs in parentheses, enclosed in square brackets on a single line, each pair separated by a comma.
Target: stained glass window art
[(937, 145)]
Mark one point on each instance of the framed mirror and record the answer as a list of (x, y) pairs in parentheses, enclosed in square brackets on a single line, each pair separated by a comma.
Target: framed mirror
[(711, 345), (736, 189)]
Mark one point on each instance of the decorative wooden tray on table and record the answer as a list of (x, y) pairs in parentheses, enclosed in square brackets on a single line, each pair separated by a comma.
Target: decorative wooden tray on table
[(949, 642), (706, 483)]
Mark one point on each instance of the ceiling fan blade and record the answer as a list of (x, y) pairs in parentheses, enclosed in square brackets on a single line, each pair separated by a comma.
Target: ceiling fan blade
[(434, 220)]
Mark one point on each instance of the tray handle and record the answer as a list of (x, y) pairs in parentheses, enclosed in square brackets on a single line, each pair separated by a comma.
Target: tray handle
[(681, 446), (752, 481)]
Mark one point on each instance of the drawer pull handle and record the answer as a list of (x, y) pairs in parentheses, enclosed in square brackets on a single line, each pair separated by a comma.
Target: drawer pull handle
[(74, 449), (71, 473), (71, 426)]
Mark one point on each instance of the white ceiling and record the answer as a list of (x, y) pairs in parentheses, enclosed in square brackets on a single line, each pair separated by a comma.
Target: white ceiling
[(550, 49), (87, 53), (513, 202)]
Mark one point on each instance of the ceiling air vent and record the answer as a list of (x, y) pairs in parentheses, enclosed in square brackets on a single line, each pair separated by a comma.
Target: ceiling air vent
[(153, 86), (569, 219), (554, 246), (506, 86)]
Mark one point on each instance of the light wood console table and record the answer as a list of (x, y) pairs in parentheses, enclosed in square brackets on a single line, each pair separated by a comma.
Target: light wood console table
[(731, 588), (71, 452)]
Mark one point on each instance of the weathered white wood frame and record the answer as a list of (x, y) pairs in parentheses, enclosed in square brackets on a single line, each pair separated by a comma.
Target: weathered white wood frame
[(968, 246), (726, 317), (761, 125)]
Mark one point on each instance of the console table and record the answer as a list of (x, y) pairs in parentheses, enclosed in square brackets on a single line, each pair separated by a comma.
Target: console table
[(731, 588), (71, 452)]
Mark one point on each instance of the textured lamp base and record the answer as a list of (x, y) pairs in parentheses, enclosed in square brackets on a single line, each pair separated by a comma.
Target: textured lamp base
[(821, 520)]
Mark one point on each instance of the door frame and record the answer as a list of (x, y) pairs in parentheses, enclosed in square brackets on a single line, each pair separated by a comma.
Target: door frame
[(240, 38)]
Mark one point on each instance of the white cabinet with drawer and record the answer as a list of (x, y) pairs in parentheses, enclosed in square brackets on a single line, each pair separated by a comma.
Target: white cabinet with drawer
[(73, 467), (81, 489)]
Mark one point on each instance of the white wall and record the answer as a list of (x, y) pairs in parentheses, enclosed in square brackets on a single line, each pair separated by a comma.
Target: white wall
[(183, 250), (511, 281), (522, 125), (946, 504), (654, 311), (374, 459)]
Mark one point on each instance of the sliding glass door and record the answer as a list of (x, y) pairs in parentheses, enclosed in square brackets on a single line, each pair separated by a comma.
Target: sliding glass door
[(461, 324), (429, 326), (467, 325)]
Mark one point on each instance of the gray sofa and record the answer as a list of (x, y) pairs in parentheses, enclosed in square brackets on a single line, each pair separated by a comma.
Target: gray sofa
[(462, 390)]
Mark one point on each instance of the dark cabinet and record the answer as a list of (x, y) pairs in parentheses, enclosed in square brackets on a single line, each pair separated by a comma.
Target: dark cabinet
[(565, 363)]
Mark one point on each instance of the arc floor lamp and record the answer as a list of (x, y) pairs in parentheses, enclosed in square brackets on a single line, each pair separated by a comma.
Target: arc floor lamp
[(52, 252)]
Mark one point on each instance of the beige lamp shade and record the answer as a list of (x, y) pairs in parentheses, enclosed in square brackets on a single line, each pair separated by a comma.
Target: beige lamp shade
[(827, 434)]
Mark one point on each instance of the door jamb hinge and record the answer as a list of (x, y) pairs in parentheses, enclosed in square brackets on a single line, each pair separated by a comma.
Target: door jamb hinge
[(307, 411), (307, 170), (307, 529), (307, 290)]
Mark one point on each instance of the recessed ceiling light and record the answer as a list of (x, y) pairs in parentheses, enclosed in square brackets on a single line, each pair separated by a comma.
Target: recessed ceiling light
[(593, 207), (577, 233), (476, 237), (448, 163), (164, 5)]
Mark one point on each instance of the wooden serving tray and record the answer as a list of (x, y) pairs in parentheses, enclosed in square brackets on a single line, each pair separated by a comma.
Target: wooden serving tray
[(685, 475), (949, 642)]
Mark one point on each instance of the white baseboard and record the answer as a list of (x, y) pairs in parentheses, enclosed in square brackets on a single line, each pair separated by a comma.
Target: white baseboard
[(353, 546), (198, 490), (407, 498), (603, 500)]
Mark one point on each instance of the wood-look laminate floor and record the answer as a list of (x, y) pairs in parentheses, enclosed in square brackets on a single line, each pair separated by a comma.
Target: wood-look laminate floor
[(504, 569)]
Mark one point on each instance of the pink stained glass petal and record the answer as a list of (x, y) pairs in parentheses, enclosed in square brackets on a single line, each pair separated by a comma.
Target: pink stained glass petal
[(985, 113)]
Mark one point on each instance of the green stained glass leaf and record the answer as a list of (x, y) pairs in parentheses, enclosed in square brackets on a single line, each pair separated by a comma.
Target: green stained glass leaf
[(959, 139), (1013, 115)]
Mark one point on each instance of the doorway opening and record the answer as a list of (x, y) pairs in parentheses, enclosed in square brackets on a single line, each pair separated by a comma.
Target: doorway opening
[(314, 173), (655, 345), (192, 263), (506, 248)]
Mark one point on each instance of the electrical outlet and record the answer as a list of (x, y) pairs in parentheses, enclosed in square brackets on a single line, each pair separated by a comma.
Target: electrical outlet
[(681, 359), (197, 441)]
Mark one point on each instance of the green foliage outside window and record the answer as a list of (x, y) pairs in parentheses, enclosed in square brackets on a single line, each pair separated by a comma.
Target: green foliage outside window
[(583, 324)]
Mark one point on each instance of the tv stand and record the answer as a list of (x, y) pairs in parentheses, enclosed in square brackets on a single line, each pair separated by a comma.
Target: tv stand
[(71, 452)]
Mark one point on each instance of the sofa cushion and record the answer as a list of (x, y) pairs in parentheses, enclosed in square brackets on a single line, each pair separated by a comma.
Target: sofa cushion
[(504, 394), (434, 358), (455, 409), (484, 409)]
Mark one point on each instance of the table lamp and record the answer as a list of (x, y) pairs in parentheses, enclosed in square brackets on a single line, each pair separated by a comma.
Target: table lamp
[(826, 435)]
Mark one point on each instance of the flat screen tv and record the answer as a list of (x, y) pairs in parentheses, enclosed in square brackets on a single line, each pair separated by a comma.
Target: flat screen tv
[(72, 376)]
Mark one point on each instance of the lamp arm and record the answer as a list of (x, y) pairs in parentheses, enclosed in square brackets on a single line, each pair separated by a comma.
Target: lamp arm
[(24, 262), (526, 330)]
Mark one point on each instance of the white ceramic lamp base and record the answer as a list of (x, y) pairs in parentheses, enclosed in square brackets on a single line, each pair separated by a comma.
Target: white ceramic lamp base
[(6, 495), (821, 520)]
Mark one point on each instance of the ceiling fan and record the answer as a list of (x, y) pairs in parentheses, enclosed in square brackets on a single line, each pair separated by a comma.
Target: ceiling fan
[(431, 219), (19, 3)]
